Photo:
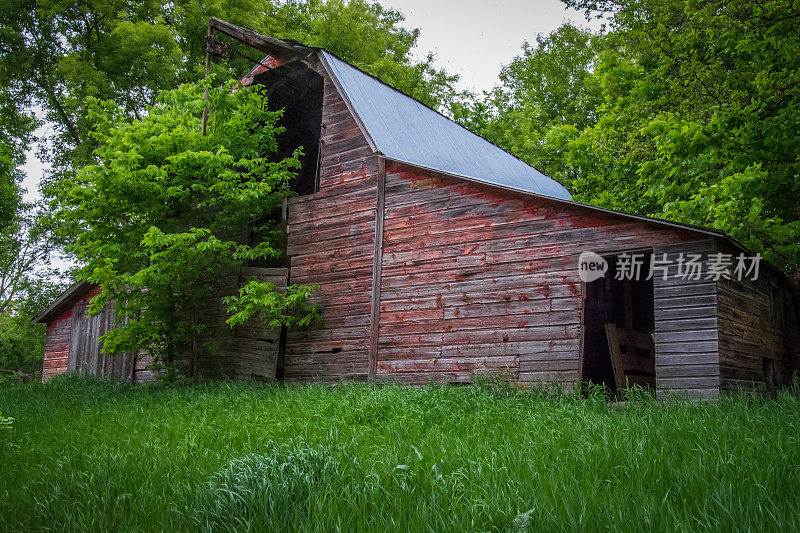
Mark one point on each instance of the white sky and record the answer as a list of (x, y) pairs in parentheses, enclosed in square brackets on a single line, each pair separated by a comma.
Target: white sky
[(469, 38), (475, 39)]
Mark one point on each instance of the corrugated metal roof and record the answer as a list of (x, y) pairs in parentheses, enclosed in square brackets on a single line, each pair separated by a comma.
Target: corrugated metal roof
[(403, 129)]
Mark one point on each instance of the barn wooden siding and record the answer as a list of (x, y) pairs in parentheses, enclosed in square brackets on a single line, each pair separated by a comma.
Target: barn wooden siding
[(476, 278), (686, 328), (249, 350), (85, 348), (759, 344), (56, 345), (71, 345), (331, 242), (58, 337)]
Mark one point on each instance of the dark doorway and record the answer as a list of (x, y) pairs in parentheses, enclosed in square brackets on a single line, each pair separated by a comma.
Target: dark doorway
[(618, 326), (297, 90)]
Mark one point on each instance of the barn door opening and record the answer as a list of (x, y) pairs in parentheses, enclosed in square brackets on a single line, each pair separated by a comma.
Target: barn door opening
[(618, 322)]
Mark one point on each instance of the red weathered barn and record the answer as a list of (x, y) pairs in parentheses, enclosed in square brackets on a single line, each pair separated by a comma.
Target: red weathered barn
[(440, 255)]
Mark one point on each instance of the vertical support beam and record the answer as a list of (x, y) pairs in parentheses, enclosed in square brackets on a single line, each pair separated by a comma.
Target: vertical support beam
[(584, 288), (279, 371), (208, 73), (377, 261)]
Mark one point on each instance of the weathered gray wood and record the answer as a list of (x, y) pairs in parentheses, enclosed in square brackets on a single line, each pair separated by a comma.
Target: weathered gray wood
[(85, 350), (686, 334), (76, 337), (756, 351), (616, 356)]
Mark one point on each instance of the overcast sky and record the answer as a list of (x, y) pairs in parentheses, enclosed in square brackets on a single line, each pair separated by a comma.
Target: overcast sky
[(475, 39), (469, 38)]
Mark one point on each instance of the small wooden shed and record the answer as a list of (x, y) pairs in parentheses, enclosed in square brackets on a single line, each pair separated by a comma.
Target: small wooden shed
[(441, 255)]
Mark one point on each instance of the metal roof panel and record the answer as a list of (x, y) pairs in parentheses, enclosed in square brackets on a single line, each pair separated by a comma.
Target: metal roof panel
[(404, 129)]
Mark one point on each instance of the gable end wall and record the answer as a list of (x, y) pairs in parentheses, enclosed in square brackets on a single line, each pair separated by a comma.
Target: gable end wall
[(331, 242)]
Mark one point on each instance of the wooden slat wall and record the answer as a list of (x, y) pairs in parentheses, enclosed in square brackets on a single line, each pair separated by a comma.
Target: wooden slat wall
[(331, 242), (58, 338), (687, 356), (246, 351), (85, 351), (249, 350), (254, 343), (477, 278), (748, 333), (56, 345)]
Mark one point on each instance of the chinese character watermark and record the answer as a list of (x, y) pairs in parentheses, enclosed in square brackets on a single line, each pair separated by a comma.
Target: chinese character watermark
[(636, 266)]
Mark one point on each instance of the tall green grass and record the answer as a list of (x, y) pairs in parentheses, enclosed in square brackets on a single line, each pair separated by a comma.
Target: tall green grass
[(93, 456)]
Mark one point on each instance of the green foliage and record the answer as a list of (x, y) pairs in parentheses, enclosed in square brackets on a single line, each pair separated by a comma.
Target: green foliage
[(25, 288), (16, 127), (59, 54), (275, 308), (25, 247), (152, 221), (21, 346), (275, 486), (10, 194), (89, 455), (701, 128), (597, 392), (682, 110)]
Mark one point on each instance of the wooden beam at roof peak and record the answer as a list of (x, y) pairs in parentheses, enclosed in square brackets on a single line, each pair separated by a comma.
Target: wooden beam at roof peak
[(264, 43)]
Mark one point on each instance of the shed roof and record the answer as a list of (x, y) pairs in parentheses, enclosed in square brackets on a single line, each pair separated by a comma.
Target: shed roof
[(63, 301)]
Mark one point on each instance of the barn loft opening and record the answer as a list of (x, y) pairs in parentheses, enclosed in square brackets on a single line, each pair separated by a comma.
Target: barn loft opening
[(619, 320), (298, 90)]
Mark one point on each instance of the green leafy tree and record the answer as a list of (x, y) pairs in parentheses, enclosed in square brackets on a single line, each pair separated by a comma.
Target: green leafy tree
[(547, 95), (58, 54), (16, 129), (700, 118), (686, 110), (152, 221), (24, 247), (22, 341)]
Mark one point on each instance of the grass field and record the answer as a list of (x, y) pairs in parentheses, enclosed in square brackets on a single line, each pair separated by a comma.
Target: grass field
[(92, 456)]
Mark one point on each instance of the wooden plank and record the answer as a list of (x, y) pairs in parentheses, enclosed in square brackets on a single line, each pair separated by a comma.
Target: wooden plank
[(636, 339), (76, 337), (376, 270), (616, 357), (332, 243)]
